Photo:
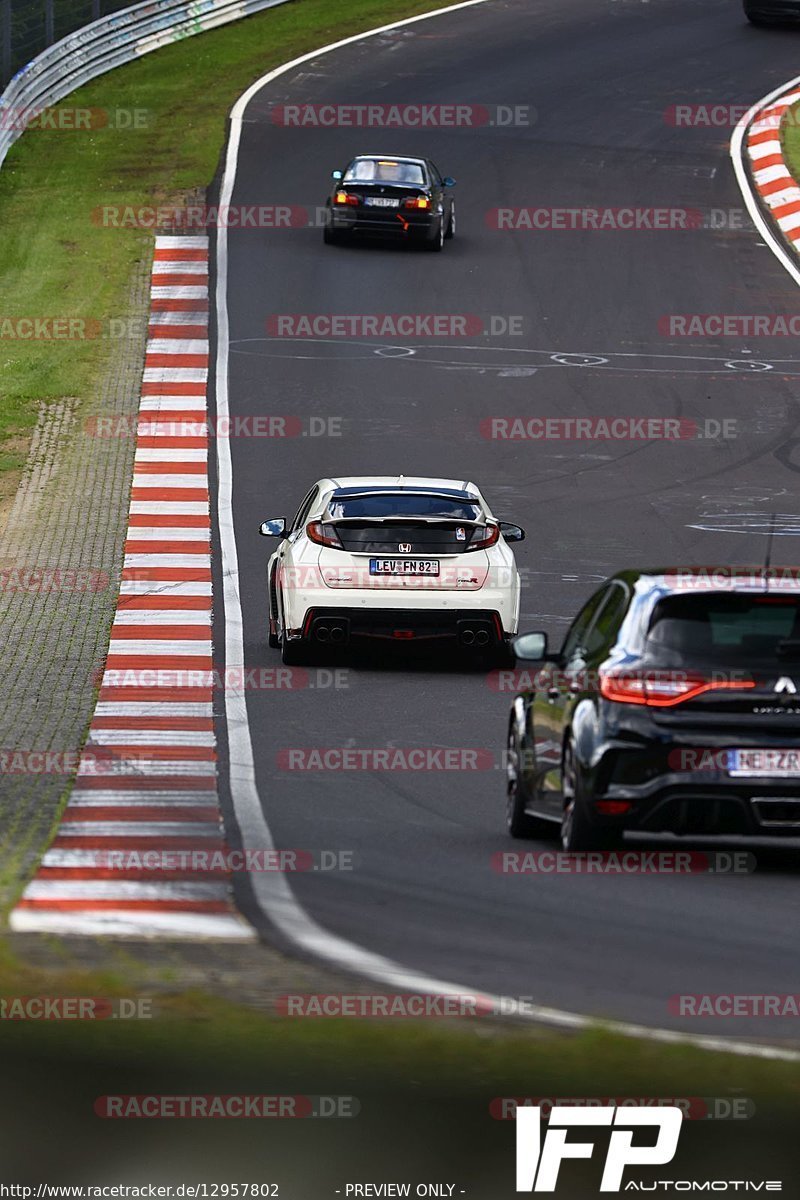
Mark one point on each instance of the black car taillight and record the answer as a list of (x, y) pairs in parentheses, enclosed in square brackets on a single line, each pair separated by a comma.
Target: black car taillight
[(323, 534), (662, 689), (422, 202), (346, 198), (484, 537)]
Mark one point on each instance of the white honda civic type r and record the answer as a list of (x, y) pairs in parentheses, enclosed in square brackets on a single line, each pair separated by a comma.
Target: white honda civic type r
[(392, 559)]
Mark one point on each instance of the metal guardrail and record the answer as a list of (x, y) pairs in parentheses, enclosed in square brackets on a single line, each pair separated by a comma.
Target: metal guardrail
[(106, 43), (27, 27)]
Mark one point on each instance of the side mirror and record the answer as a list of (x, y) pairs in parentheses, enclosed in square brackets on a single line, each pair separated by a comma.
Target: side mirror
[(336, 175), (274, 528), (530, 647), (512, 533), (448, 181)]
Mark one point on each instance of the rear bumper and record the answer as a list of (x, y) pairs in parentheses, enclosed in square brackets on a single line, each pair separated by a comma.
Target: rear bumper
[(469, 629), (386, 223), (699, 803), (412, 608)]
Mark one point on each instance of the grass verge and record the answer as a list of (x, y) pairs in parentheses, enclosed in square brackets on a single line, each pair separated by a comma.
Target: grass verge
[(790, 139), (56, 263)]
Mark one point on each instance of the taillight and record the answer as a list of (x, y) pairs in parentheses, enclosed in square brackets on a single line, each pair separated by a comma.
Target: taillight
[(417, 202), (662, 689), (346, 198), (323, 534), (484, 537)]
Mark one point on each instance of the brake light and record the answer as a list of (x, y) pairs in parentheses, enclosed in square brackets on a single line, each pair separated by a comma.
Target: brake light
[(662, 689), (323, 534), (417, 202), (346, 198), (484, 537)]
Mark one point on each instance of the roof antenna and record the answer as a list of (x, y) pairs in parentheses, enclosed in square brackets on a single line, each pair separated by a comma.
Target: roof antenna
[(768, 555)]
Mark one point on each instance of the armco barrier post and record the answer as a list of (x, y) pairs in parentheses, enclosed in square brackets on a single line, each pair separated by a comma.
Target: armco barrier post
[(5, 41), (49, 23)]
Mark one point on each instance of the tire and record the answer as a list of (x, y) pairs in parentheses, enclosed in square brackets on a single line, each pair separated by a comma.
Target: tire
[(519, 823), (437, 244), (579, 833), (331, 237), (451, 224), (294, 654)]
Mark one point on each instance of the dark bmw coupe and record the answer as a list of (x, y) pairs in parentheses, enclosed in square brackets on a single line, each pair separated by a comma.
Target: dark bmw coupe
[(403, 198)]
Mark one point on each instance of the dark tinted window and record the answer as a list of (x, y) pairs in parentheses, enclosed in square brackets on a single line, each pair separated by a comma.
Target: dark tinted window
[(403, 504), (576, 636), (741, 628), (302, 512), (603, 631)]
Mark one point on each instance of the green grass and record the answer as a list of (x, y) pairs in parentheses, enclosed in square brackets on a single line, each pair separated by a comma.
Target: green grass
[(790, 138), (55, 262)]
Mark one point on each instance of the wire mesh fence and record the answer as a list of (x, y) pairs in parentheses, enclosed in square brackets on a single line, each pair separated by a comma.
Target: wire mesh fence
[(29, 26)]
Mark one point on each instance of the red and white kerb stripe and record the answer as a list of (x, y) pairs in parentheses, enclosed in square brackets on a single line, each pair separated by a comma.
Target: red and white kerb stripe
[(776, 186), (147, 776)]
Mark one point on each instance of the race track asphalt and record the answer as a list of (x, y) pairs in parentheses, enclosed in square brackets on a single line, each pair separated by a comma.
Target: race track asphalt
[(600, 76)]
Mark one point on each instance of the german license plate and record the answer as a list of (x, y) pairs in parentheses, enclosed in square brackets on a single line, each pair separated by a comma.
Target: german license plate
[(404, 566), (773, 764), (381, 201)]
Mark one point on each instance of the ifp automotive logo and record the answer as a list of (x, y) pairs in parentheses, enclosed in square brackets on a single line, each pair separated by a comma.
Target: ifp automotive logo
[(538, 1161)]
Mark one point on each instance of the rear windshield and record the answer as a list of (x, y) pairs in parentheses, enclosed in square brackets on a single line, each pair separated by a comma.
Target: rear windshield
[(740, 628), (403, 504), (376, 170)]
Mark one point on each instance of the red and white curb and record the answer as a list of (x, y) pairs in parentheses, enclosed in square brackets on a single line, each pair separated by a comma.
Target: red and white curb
[(773, 182), (123, 861)]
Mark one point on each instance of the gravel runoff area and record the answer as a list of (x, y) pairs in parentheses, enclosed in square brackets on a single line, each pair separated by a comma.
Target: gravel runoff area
[(60, 561)]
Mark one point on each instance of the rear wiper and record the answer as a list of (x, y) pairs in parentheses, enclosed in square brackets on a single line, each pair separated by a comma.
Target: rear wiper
[(788, 648)]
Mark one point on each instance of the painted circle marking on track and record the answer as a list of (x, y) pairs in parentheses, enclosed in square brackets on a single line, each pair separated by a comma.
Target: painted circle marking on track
[(748, 365), (395, 352), (579, 360)]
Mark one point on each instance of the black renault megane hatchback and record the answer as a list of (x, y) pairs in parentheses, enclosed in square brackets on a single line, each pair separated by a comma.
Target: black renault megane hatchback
[(673, 705)]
